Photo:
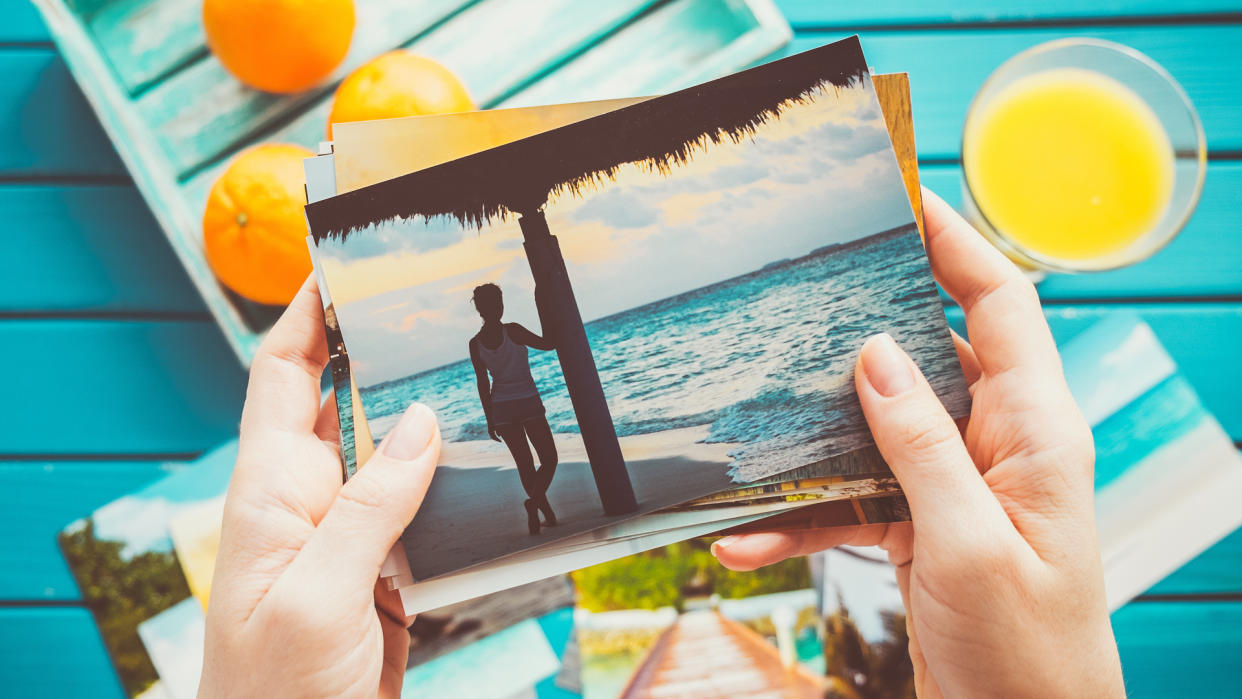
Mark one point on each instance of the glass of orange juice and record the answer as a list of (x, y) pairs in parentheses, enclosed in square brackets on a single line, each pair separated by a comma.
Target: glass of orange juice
[(1081, 155)]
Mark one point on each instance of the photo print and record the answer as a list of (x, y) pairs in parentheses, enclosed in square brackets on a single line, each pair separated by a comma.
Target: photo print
[(639, 309), (672, 622)]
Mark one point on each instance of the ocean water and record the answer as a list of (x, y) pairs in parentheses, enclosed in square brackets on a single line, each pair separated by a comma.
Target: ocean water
[(1156, 419), (766, 359), (345, 413)]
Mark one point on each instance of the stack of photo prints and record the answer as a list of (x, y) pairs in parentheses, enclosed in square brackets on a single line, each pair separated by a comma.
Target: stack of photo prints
[(636, 321)]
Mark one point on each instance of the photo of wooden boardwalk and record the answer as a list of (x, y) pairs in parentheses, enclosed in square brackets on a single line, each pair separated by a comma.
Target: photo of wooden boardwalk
[(705, 655)]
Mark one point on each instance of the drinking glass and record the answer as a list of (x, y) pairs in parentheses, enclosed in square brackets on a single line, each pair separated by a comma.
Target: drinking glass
[(1151, 84)]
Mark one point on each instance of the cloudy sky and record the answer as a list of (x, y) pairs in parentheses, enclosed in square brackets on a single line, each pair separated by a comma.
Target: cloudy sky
[(823, 173), (141, 519), (174, 641)]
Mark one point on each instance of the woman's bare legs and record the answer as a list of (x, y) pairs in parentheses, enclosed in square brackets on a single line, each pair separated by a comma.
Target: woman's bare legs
[(540, 434), (514, 437)]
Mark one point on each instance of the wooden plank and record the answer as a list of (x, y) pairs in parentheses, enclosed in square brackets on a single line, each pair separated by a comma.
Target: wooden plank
[(87, 249), (202, 111), (531, 37), (130, 267), (37, 500), (1179, 649), (146, 39), (1203, 261), (1202, 337), (810, 14), (54, 652), (172, 387), (1199, 56), (118, 387), (946, 68), (22, 24), (46, 126), (1217, 571), (641, 58)]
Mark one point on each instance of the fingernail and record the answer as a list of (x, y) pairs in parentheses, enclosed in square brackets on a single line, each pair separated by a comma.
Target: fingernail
[(886, 367), (722, 543), (413, 432)]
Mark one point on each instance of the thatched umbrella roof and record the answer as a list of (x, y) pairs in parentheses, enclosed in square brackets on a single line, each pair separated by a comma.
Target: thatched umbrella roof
[(659, 133)]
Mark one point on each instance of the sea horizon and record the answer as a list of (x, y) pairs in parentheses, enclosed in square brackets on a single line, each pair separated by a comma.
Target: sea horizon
[(831, 248), (765, 358)]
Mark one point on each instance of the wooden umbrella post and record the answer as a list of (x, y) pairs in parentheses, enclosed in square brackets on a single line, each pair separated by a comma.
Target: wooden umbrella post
[(557, 307)]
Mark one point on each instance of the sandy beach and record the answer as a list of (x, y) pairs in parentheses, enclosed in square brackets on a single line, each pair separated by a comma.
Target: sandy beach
[(473, 511)]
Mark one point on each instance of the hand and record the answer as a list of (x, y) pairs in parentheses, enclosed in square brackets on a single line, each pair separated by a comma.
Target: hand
[(491, 431), (296, 608), (999, 570)]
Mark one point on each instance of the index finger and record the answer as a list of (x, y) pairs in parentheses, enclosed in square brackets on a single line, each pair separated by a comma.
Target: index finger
[(750, 551), (1004, 320), (283, 393)]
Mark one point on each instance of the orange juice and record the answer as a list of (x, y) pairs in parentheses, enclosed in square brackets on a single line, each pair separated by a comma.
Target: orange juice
[(1069, 164)]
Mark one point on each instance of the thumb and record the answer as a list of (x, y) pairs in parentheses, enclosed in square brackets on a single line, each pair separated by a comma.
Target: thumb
[(948, 498), (373, 508)]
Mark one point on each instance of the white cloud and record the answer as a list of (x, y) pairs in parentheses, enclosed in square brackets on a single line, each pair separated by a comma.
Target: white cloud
[(142, 523), (174, 641)]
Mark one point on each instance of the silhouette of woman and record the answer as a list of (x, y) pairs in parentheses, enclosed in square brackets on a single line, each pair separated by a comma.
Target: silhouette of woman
[(511, 400)]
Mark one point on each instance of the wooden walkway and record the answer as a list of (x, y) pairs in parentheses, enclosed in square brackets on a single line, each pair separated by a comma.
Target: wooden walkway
[(706, 656)]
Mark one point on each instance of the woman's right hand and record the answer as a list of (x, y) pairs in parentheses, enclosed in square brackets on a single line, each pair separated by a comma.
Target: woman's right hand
[(491, 431), (1000, 568)]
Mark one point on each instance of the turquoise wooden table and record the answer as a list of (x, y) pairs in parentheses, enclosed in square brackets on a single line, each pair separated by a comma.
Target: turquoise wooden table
[(116, 367)]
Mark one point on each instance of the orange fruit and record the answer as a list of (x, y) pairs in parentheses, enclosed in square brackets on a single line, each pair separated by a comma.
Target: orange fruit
[(398, 84), (279, 45), (254, 227)]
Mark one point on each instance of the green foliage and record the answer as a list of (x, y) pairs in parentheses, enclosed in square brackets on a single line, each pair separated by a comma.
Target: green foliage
[(859, 670), (634, 642), (806, 621), (122, 594), (894, 670), (665, 577)]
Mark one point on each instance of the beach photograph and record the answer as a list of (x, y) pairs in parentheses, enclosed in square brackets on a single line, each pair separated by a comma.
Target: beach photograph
[(638, 309), (1163, 463)]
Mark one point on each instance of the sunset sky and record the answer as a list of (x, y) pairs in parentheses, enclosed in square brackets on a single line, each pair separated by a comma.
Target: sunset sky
[(823, 173)]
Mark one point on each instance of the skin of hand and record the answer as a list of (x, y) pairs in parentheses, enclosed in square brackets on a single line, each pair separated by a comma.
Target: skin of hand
[(999, 568), (296, 606)]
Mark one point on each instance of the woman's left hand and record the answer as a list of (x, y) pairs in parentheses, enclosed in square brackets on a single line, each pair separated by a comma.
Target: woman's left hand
[(296, 608)]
